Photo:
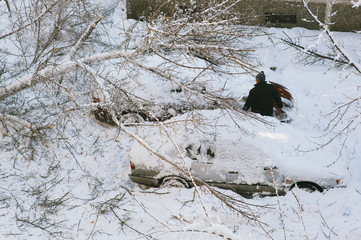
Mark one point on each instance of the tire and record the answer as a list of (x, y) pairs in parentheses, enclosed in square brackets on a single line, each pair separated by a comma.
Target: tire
[(174, 181), (308, 186)]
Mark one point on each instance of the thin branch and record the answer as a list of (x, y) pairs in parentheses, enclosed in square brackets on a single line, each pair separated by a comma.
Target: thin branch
[(145, 210), (8, 6), (85, 35), (32, 22), (310, 52), (357, 67), (124, 223), (187, 168), (33, 224), (48, 72), (15, 119), (66, 90)]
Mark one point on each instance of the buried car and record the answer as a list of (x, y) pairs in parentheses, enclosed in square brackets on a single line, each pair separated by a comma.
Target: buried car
[(260, 162)]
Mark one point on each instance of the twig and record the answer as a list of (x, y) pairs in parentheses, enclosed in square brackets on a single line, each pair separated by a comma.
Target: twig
[(187, 169), (66, 90), (334, 42), (85, 35), (95, 223), (124, 223), (310, 52), (145, 210), (14, 119), (300, 214), (8, 6), (325, 223), (35, 20), (33, 224)]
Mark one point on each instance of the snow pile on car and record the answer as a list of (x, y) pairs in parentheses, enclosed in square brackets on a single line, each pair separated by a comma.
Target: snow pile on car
[(225, 148)]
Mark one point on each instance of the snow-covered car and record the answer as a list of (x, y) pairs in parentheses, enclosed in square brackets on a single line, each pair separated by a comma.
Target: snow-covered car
[(261, 161)]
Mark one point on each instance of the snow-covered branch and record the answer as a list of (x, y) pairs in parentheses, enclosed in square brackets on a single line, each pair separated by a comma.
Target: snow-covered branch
[(32, 22), (336, 45), (356, 3), (65, 67), (12, 121), (85, 35)]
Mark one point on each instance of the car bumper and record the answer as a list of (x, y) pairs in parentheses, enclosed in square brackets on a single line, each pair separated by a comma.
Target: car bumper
[(242, 189), (148, 181), (249, 190)]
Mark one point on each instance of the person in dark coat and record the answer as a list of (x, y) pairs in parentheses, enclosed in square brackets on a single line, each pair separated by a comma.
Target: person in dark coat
[(261, 96)]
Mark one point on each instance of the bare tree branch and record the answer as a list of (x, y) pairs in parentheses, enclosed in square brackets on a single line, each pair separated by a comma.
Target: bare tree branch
[(32, 22), (310, 52), (85, 35), (337, 46), (31, 79)]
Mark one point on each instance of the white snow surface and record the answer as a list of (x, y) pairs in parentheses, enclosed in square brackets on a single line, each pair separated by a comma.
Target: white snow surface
[(100, 202)]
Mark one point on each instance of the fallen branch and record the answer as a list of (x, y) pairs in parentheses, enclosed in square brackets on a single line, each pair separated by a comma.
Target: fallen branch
[(31, 79), (124, 223), (32, 22), (85, 35)]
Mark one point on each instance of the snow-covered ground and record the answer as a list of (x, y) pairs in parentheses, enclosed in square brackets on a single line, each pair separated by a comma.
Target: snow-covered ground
[(87, 194)]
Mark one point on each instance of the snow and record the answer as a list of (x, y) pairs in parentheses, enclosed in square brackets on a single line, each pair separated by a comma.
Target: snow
[(100, 202)]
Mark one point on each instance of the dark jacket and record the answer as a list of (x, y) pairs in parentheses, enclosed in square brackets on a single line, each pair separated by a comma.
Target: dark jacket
[(261, 97)]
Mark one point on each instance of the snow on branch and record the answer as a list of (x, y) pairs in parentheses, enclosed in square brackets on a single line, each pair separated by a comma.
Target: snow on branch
[(13, 120), (32, 22), (337, 46), (203, 46), (85, 35), (31, 79), (356, 4), (310, 52)]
